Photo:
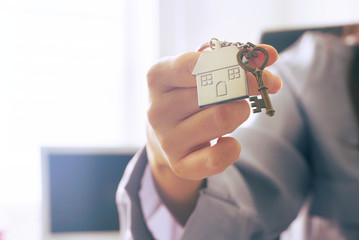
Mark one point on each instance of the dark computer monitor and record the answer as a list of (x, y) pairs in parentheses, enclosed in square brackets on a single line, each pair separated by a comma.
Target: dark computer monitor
[(79, 192)]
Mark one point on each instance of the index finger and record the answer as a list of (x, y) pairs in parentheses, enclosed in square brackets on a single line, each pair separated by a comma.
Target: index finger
[(175, 72)]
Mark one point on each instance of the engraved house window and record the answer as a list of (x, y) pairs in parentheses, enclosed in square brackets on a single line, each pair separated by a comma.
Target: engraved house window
[(233, 73), (207, 79)]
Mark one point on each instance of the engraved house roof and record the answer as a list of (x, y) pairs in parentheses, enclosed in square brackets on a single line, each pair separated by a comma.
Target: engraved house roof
[(217, 59)]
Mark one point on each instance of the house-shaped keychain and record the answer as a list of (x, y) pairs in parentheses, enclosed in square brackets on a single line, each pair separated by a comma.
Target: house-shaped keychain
[(219, 77)]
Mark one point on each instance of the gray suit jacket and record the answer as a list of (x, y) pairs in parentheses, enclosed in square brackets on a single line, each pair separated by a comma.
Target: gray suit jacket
[(309, 148)]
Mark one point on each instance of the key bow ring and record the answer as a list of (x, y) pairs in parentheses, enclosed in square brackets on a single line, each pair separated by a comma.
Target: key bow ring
[(251, 51)]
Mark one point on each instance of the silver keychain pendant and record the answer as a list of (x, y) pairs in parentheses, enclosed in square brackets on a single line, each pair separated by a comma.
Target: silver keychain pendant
[(219, 77), (221, 74)]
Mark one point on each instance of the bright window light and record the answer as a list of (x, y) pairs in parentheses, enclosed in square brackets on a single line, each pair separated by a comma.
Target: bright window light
[(63, 82)]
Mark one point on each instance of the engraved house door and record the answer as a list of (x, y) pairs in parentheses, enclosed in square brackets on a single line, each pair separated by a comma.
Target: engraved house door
[(221, 89)]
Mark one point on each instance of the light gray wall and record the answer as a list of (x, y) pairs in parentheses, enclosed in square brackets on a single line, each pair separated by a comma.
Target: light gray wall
[(186, 24)]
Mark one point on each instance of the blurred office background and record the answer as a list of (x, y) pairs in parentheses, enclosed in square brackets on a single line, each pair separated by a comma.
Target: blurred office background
[(73, 73)]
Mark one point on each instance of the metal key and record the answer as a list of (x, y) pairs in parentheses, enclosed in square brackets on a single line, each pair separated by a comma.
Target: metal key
[(247, 52)]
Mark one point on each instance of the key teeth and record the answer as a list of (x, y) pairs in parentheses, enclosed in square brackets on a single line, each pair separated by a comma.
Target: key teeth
[(253, 98), (257, 104)]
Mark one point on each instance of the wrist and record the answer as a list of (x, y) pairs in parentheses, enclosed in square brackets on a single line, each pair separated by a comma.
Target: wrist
[(178, 194)]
